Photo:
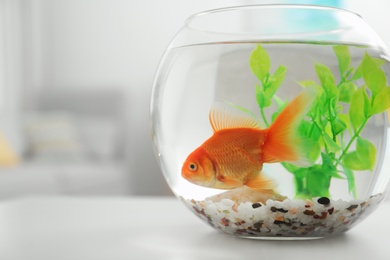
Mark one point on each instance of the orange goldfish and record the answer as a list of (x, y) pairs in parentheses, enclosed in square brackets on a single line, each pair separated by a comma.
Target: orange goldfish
[(234, 155)]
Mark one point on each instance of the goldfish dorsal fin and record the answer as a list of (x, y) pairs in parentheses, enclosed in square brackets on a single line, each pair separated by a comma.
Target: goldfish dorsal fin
[(224, 116)]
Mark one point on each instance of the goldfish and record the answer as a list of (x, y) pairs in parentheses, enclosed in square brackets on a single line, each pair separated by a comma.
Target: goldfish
[(234, 155)]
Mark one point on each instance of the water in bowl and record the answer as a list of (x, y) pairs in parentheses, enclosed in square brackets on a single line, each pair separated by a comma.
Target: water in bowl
[(347, 132)]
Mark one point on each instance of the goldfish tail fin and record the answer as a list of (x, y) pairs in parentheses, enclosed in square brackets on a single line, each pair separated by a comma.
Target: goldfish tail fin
[(262, 183), (283, 143)]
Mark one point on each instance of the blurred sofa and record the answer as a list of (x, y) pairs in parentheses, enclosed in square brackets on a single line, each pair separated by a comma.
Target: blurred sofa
[(73, 143)]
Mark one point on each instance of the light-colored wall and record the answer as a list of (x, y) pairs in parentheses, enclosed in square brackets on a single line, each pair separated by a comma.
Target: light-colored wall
[(11, 71), (92, 44)]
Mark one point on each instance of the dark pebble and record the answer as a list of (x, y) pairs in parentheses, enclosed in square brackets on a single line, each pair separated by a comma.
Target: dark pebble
[(352, 207), (256, 205), (199, 212), (331, 211), (274, 209), (282, 210), (322, 216), (258, 225), (324, 201), (309, 212), (225, 222), (278, 222), (239, 223), (240, 231)]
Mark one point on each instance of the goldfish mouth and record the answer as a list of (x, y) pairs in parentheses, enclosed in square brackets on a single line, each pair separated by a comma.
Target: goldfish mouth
[(188, 176), (185, 175)]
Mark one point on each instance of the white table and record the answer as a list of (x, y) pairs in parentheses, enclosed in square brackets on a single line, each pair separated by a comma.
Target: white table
[(59, 228)]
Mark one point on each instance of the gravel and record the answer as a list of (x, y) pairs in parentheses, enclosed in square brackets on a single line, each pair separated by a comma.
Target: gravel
[(311, 218)]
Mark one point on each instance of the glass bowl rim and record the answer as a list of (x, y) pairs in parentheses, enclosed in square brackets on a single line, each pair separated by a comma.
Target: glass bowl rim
[(269, 6)]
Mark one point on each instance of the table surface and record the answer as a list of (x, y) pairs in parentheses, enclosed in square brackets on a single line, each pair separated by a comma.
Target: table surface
[(159, 228)]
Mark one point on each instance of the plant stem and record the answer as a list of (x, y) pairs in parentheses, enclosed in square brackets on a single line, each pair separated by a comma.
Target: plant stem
[(263, 116), (356, 134), (331, 120)]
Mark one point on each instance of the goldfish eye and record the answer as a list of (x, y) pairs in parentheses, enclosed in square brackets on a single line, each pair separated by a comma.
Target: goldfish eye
[(193, 167)]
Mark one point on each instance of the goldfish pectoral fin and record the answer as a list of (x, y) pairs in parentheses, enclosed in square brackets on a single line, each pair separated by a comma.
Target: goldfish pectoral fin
[(228, 183), (261, 182)]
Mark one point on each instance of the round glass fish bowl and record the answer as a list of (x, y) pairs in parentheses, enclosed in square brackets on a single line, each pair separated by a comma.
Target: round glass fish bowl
[(271, 121)]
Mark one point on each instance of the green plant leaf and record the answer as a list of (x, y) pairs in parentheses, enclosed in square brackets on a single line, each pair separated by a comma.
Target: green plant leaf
[(346, 91), (351, 180), (260, 63), (379, 62), (344, 58), (374, 76), (331, 145), (327, 166), (318, 181), (317, 112), (358, 108), (376, 81), (305, 128), (309, 130), (368, 65), (327, 80), (328, 129), (290, 167), (312, 149), (358, 73), (345, 119), (312, 84), (306, 83), (280, 103), (366, 152), (279, 75), (367, 103), (352, 161), (300, 181), (339, 126), (363, 158), (261, 97), (331, 108), (275, 81), (381, 101)]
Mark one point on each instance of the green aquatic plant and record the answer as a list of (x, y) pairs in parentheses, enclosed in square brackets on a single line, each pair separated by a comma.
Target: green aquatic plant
[(336, 120)]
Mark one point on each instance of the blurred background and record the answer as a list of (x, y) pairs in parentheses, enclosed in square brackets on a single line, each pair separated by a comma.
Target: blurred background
[(75, 84)]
